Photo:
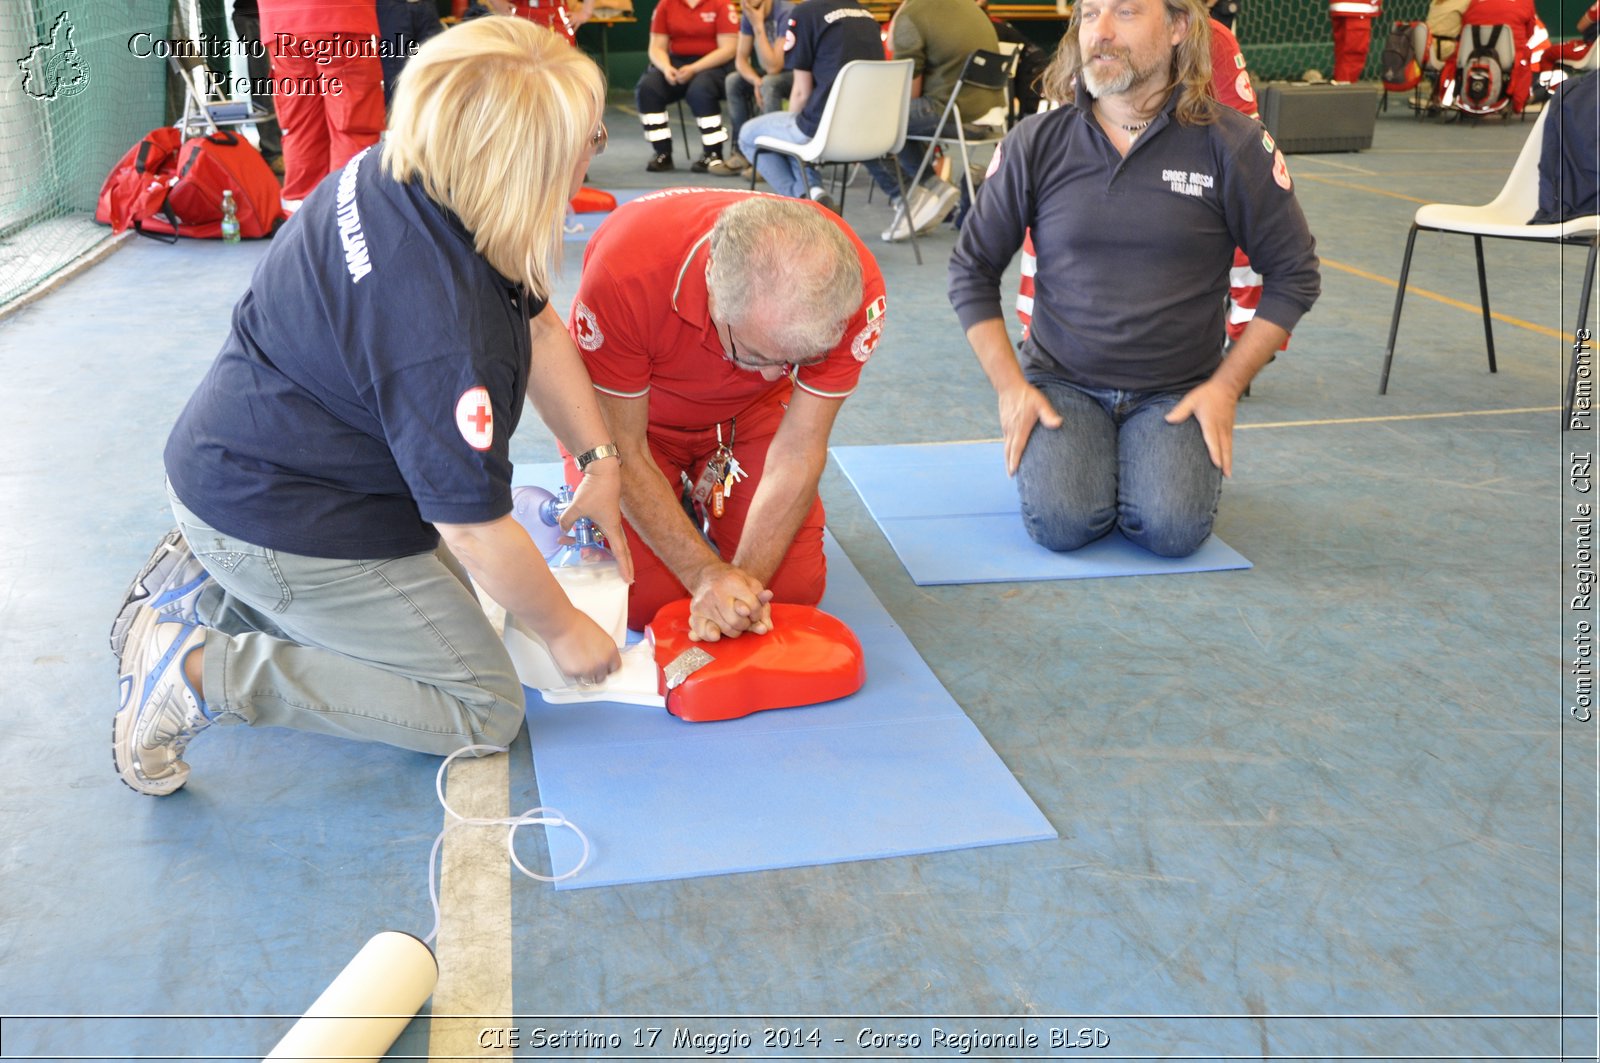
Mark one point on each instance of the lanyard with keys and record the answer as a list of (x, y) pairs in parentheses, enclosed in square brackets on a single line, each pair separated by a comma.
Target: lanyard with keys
[(722, 471)]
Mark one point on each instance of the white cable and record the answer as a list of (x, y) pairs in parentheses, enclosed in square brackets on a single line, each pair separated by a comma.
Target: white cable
[(539, 816)]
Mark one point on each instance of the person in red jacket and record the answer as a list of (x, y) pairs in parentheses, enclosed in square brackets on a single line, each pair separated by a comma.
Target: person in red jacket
[(1352, 35), (1525, 27), (1573, 51), (328, 85), (723, 331)]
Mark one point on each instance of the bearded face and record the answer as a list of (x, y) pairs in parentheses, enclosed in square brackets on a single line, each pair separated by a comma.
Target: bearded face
[(1124, 44)]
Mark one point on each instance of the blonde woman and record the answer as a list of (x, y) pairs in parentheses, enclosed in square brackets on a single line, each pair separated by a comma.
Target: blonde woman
[(345, 458)]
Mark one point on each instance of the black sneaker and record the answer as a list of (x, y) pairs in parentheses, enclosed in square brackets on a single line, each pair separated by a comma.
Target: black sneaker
[(660, 164), (703, 163)]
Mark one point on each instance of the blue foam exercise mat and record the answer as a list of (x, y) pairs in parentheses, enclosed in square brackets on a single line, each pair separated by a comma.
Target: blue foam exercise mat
[(896, 768), (952, 516)]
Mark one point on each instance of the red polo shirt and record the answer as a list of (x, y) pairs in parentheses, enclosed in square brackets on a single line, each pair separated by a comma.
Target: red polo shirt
[(693, 31), (642, 324)]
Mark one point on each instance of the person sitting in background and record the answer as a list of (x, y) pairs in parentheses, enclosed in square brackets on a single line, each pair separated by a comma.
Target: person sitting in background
[(1444, 26), (344, 464), (761, 37), (938, 35), (1031, 63), (692, 44), (822, 36), (1572, 53), (1525, 26)]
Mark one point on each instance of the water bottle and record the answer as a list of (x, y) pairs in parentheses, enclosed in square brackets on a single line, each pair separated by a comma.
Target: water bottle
[(588, 572), (230, 218)]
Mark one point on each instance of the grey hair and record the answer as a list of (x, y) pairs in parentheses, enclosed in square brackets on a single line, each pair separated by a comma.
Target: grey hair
[(784, 262)]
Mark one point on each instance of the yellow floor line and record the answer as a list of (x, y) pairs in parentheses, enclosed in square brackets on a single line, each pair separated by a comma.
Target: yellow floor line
[(1398, 417), (1446, 300), (1338, 183), (1322, 421)]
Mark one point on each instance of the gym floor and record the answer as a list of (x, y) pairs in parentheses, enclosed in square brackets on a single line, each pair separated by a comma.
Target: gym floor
[(1334, 806)]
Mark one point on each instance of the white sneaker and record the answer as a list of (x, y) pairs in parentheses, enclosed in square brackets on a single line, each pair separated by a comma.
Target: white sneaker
[(820, 196), (901, 229), (168, 586), (935, 204), (160, 712)]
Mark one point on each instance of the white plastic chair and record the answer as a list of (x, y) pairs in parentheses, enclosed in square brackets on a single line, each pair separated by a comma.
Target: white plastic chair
[(1505, 218), (864, 119)]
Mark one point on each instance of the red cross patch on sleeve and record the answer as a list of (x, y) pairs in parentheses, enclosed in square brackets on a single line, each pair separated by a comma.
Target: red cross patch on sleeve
[(475, 418)]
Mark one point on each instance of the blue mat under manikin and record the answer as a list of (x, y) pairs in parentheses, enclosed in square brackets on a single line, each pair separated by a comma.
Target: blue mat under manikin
[(896, 768), (952, 516)]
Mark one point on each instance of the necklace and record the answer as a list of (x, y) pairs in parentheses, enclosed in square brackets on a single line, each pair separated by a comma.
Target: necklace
[(1139, 128)]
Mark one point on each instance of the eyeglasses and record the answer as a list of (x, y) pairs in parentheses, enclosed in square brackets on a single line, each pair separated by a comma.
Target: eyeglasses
[(731, 352), (597, 139)]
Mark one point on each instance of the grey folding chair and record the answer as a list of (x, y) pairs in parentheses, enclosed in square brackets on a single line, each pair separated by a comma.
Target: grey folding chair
[(988, 70)]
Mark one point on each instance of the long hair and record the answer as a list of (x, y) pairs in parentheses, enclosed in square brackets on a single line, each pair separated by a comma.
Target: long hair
[(1190, 73), (491, 117)]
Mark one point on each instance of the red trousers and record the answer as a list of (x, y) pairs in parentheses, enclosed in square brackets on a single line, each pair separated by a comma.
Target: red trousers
[(328, 112), (1352, 36), (803, 572)]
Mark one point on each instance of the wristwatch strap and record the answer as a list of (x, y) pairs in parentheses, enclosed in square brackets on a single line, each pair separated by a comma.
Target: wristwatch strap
[(604, 450)]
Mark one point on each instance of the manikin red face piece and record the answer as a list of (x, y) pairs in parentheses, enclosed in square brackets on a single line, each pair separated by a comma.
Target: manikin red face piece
[(808, 657)]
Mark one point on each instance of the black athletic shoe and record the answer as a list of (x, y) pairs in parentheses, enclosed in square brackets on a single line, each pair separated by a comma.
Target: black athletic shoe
[(660, 164)]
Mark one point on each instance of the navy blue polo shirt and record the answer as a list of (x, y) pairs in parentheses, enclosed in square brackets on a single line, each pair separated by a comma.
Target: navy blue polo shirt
[(823, 36), (371, 381)]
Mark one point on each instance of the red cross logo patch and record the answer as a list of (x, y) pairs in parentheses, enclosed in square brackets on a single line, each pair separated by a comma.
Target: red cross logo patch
[(475, 418)]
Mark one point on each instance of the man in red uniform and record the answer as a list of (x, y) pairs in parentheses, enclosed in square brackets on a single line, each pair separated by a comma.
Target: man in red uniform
[(1352, 35), (723, 330), (328, 85)]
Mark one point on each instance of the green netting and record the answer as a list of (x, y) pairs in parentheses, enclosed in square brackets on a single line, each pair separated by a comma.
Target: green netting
[(1282, 39), (73, 97)]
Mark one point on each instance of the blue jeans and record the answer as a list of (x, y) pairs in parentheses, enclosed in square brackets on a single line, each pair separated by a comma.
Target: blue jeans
[(393, 650), (742, 104), (1116, 462), (785, 173)]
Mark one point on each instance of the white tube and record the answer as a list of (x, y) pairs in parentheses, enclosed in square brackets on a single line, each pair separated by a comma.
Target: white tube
[(359, 1016)]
